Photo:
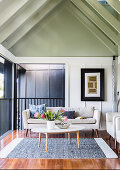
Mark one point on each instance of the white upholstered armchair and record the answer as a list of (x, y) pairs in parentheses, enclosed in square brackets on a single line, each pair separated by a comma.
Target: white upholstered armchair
[(118, 131), (111, 124)]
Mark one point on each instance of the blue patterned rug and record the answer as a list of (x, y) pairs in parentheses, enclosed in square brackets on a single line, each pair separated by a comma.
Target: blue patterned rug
[(57, 148)]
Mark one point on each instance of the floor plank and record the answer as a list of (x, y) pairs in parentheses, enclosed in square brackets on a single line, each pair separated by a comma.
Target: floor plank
[(57, 163)]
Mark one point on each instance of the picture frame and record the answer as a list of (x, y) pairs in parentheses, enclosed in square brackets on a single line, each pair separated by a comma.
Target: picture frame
[(92, 84)]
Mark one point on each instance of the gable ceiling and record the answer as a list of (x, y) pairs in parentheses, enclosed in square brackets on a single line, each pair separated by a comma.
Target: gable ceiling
[(19, 18)]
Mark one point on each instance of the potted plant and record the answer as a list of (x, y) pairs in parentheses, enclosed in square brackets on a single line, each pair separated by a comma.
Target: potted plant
[(51, 117)]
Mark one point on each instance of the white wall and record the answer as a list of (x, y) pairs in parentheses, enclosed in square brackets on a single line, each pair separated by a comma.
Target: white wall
[(75, 83), (73, 78)]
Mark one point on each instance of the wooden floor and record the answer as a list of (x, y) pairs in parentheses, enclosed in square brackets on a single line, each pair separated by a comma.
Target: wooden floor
[(57, 163)]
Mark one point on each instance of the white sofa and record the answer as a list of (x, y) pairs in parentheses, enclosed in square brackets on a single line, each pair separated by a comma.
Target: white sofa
[(92, 121), (111, 124)]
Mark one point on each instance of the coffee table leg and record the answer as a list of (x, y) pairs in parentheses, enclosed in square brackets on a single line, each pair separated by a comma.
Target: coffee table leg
[(46, 142), (69, 137), (39, 139), (78, 140)]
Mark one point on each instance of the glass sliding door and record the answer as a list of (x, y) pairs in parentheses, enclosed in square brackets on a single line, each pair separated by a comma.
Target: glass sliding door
[(5, 96)]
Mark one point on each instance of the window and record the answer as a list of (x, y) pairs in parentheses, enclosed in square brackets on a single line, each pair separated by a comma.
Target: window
[(102, 1)]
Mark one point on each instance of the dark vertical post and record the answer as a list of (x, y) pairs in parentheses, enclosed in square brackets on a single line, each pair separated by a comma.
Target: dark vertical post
[(63, 103), (18, 110), (15, 96), (8, 93), (114, 106), (25, 103), (20, 115)]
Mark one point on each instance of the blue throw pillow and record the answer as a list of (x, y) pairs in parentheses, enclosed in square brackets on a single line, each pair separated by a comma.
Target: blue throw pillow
[(36, 108), (70, 114), (41, 108), (33, 110)]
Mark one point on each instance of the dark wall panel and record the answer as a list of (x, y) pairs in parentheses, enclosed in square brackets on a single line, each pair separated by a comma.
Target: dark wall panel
[(7, 79), (22, 84), (57, 84), (30, 84), (5, 116), (1, 68), (42, 84)]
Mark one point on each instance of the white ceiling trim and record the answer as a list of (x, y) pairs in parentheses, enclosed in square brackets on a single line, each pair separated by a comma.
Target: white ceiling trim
[(97, 21), (33, 21), (105, 14), (36, 60), (93, 29), (21, 19)]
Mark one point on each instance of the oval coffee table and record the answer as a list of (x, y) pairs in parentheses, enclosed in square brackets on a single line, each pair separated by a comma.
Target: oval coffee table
[(43, 129)]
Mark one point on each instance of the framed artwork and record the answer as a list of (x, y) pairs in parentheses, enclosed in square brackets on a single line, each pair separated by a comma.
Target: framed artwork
[(92, 84)]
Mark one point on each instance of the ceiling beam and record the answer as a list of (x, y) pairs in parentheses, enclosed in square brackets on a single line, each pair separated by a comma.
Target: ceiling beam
[(93, 29), (105, 14), (10, 11), (28, 12), (115, 4), (97, 21), (34, 20), (6, 54)]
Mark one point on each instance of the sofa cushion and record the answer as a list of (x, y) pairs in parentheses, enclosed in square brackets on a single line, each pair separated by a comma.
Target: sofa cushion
[(70, 114), (36, 108), (36, 121), (80, 111), (41, 108), (33, 110), (84, 112), (83, 121), (74, 121)]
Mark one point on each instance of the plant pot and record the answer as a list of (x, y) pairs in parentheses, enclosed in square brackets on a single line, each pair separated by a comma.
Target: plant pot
[(50, 124)]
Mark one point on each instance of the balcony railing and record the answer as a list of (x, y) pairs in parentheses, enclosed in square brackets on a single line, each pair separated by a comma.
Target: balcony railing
[(23, 104)]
